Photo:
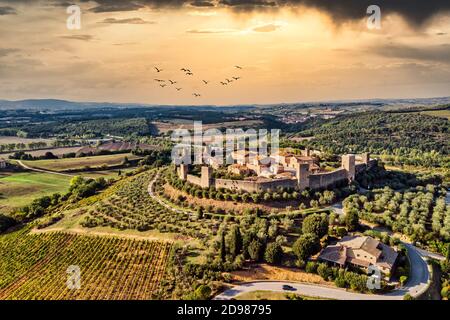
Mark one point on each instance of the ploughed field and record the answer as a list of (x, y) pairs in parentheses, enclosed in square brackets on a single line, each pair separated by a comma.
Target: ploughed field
[(34, 266), (80, 163)]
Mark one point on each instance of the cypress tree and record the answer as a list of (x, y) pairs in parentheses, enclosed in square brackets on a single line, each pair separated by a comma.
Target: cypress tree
[(223, 250)]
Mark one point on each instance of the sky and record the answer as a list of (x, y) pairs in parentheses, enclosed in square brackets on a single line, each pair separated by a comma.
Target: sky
[(289, 51)]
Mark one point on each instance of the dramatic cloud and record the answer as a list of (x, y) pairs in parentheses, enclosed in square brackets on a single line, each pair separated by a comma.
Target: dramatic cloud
[(416, 12), (7, 10), (82, 37), (126, 21), (248, 3), (437, 53), (200, 3), (115, 7), (267, 27), (7, 51)]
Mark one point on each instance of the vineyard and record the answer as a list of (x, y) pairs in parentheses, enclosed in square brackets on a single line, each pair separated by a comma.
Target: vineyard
[(34, 266)]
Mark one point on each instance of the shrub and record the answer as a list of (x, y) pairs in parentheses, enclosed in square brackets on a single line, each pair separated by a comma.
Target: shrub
[(255, 249), (324, 271), (273, 253), (340, 282), (311, 267), (305, 246), (315, 224), (203, 292)]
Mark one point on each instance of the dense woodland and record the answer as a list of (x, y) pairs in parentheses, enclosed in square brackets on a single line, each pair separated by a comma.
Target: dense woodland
[(380, 132)]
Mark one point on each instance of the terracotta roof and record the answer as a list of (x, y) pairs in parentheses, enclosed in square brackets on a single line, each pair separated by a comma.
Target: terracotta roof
[(358, 262), (385, 255), (370, 245), (336, 254)]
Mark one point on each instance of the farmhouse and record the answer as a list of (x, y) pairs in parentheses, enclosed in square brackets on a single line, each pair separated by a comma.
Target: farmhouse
[(361, 252)]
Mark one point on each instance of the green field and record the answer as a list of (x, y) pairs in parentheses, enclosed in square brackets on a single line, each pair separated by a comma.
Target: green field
[(19, 189), (438, 113), (80, 163)]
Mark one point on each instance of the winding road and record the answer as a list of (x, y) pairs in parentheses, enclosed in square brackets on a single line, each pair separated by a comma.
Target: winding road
[(417, 282)]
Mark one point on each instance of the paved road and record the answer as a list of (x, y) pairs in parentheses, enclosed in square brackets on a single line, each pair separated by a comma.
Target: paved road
[(302, 289), (161, 202), (417, 281), (416, 284), (419, 275)]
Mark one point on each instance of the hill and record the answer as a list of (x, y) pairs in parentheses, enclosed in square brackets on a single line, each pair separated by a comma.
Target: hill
[(379, 132)]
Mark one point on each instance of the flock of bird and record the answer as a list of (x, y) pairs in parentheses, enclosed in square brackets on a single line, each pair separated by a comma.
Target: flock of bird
[(164, 83)]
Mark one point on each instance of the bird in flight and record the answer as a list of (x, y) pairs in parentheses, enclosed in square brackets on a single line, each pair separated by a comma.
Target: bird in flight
[(229, 81), (205, 82), (189, 73), (236, 78), (196, 95), (158, 70), (223, 83), (238, 67), (172, 82), (159, 80), (178, 89), (185, 70), (162, 85)]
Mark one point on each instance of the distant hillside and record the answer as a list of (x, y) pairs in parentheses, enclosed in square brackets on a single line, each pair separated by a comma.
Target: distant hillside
[(380, 131), (54, 104)]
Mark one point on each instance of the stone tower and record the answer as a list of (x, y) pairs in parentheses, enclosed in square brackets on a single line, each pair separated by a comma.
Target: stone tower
[(306, 152), (365, 157), (348, 163), (183, 171), (302, 174), (205, 181)]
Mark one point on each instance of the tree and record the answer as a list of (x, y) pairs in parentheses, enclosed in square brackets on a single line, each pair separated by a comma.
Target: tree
[(6, 222), (324, 271), (223, 249), (75, 181), (314, 203), (447, 256), (273, 253), (199, 213), (255, 250), (235, 243), (306, 245), (315, 224), (203, 292), (352, 220)]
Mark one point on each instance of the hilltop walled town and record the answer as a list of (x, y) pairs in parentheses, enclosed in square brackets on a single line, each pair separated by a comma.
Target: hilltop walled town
[(280, 170)]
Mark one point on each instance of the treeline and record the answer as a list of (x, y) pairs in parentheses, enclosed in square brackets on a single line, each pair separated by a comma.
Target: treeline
[(37, 145), (92, 128), (20, 155), (379, 132)]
